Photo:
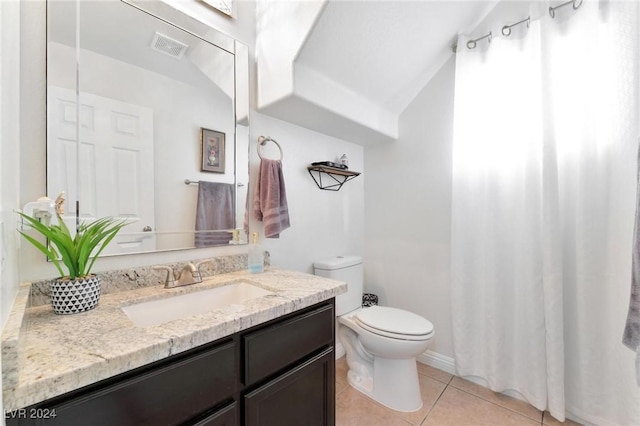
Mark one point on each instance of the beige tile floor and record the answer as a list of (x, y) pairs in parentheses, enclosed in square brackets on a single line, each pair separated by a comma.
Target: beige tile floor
[(448, 401)]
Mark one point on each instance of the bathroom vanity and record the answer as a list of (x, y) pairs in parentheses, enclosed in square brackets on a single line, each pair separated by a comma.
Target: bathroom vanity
[(267, 362)]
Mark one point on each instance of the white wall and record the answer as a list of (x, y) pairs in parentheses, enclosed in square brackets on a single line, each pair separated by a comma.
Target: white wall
[(9, 154), (281, 30), (9, 150), (408, 209), (323, 223)]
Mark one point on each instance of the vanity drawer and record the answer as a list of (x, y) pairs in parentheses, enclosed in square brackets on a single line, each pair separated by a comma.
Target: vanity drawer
[(279, 345), (167, 395), (226, 416)]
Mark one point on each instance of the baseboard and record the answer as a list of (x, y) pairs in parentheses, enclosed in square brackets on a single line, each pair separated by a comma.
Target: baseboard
[(439, 361)]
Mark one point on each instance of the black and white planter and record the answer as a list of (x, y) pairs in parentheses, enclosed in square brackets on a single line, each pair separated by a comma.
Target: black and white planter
[(75, 296)]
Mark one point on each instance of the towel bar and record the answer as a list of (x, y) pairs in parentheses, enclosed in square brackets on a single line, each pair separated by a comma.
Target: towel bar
[(195, 182)]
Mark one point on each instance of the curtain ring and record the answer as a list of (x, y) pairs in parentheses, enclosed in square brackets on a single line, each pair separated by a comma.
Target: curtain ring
[(575, 4), (471, 44), (506, 30)]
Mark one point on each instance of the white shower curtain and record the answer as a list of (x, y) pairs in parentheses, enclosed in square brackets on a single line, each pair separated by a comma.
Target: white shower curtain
[(545, 142)]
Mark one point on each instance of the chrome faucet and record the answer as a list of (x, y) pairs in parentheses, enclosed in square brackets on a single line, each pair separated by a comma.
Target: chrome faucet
[(190, 274)]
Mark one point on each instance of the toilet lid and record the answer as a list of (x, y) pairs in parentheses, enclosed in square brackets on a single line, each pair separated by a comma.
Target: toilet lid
[(394, 321)]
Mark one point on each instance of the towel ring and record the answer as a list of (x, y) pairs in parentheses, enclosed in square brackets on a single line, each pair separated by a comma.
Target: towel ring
[(262, 141)]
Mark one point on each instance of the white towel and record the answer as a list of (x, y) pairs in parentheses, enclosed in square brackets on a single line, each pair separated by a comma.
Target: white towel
[(270, 198)]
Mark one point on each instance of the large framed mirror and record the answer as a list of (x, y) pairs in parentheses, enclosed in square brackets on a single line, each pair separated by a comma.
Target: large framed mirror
[(163, 123)]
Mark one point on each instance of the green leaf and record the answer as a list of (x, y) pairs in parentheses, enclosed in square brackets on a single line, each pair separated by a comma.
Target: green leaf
[(75, 253), (110, 236)]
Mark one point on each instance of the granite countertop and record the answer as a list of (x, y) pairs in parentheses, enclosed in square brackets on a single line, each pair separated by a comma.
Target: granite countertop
[(45, 355)]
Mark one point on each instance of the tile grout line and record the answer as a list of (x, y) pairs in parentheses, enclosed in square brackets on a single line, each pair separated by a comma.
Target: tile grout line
[(397, 414), (446, 385)]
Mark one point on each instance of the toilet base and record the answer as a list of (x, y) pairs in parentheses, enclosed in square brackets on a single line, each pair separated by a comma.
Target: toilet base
[(385, 388), (339, 350)]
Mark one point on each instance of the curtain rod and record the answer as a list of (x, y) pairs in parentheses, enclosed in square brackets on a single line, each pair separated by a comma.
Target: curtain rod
[(506, 30), (576, 4)]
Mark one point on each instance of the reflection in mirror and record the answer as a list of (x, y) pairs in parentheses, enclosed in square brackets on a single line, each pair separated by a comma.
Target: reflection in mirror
[(158, 109)]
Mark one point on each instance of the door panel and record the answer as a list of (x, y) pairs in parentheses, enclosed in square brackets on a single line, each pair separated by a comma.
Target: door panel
[(116, 156)]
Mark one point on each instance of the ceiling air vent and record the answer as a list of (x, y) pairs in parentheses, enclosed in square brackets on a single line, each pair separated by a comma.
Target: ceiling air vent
[(164, 44)]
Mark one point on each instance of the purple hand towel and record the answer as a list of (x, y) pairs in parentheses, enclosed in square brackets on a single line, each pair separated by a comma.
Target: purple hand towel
[(270, 198), (215, 214), (631, 336)]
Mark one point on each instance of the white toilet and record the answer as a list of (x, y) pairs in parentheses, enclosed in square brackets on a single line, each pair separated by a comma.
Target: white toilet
[(381, 343)]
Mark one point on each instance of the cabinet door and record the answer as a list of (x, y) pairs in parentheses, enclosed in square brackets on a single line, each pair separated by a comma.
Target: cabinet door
[(277, 346), (301, 396), (227, 416), (167, 395)]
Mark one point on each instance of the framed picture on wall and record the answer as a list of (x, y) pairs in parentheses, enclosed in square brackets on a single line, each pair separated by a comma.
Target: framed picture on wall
[(212, 151)]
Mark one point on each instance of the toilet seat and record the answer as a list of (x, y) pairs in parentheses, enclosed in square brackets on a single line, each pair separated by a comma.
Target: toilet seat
[(394, 323)]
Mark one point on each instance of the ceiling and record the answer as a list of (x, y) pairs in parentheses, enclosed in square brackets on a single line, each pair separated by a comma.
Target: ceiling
[(386, 51)]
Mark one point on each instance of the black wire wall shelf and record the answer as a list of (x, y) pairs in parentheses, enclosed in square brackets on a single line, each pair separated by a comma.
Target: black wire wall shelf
[(335, 177)]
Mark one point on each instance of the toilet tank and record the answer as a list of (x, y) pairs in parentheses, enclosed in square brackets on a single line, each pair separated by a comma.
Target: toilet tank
[(347, 269)]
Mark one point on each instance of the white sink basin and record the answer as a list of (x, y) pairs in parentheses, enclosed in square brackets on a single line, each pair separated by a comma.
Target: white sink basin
[(171, 308)]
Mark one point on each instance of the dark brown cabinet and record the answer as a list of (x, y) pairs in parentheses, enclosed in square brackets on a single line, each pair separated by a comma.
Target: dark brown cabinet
[(278, 373), (301, 396), (225, 416), (276, 346)]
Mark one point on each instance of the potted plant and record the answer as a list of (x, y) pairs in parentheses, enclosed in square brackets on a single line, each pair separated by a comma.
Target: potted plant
[(78, 290)]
